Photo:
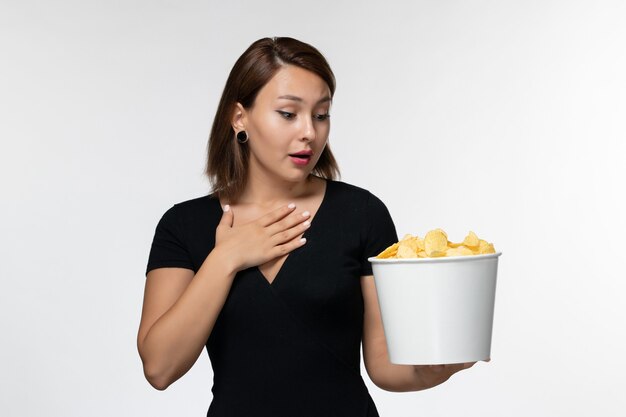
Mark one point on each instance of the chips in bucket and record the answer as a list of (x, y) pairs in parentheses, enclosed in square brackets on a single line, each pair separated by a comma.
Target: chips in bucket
[(435, 245)]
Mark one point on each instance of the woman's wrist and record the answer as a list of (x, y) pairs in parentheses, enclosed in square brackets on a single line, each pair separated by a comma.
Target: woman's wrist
[(432, 375), (223, 261)]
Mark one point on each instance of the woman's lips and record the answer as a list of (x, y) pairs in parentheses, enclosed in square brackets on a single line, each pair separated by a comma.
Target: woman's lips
[(301, 158)]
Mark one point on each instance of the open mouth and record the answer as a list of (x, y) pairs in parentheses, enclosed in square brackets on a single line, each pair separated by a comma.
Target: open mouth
[(303, 157)]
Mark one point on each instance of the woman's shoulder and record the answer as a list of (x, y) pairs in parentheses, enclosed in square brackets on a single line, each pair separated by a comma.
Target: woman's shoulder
[(361, 203), (364, 210), (195, 208), (196, 203), (352, 192)]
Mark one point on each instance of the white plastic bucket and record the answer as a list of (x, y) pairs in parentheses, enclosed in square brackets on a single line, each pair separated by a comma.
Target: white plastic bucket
[(437, 310)]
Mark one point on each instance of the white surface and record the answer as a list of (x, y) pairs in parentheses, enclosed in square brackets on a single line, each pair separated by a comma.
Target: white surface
[(503, 117), (437, 310)]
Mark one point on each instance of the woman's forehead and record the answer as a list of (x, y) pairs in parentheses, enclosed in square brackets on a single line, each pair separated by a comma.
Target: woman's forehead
[(297, 84)]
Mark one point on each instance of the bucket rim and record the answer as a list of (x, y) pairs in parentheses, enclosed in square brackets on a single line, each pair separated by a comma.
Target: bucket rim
[(463, 258)]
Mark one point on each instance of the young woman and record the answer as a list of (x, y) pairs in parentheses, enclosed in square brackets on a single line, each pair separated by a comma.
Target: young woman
[(270, 271)]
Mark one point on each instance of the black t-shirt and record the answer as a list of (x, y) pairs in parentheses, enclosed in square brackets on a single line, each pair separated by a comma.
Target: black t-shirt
[(292, 347)]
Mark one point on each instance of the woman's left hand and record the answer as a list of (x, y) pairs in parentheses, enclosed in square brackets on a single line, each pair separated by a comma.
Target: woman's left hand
[(432, 375)]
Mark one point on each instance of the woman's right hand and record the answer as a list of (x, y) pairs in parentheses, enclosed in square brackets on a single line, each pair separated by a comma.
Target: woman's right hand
[(251, 244)]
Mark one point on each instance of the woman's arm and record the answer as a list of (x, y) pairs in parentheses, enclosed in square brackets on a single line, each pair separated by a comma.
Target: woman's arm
[(180, 309), (179, 313), (390, 377)]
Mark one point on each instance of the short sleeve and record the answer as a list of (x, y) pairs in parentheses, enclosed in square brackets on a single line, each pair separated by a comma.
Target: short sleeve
[(380, 232), (168, 246)]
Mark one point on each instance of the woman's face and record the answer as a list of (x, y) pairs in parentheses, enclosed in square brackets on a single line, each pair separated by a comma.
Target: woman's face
[(288, 125)]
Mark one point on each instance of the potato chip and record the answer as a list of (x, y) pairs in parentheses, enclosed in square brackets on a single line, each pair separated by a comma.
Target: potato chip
[(405, 251), (460, 250), (413, 244), (486, 247), (435, 245), (435, 241), (471, 240), (390, 252)]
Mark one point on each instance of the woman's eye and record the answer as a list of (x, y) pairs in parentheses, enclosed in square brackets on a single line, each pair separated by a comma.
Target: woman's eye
[(286, 114), (322, 117)]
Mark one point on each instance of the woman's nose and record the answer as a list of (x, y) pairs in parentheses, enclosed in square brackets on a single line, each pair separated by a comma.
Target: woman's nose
[(308, 130)]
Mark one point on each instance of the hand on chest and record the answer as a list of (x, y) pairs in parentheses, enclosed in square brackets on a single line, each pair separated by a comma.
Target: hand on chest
[(246, 213)]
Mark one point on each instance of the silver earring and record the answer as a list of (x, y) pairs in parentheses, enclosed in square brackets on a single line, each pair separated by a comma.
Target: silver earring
[(242, 136)]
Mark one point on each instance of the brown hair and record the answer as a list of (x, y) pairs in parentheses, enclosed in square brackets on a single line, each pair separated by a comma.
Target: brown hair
[(227, 163)]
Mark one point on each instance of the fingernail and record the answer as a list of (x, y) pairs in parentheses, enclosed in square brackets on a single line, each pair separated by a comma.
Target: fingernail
[(305, 214), (306, 223), (226, 207), (291, 205), (303, 240)]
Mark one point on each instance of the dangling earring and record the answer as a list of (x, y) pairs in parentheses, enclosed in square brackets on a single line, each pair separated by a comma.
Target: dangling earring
[(242, 136)]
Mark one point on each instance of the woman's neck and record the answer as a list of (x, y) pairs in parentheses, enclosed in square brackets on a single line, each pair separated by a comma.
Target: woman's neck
[(263, 192)]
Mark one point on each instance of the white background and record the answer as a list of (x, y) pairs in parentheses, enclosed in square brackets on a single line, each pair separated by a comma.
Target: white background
[(504, 117)]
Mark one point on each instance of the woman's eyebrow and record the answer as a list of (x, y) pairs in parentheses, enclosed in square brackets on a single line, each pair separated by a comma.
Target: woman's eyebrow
[(299, 99), (290, 97)]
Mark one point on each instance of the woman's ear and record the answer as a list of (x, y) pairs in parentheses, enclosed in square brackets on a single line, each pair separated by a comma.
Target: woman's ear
[(238, 120)]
